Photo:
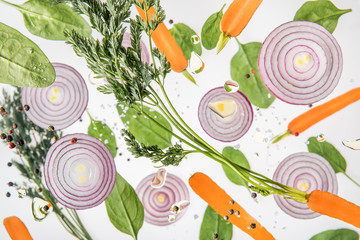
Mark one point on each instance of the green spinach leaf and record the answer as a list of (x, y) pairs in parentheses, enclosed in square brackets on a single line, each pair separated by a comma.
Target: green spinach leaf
[(102, 131), (183, 35), (244, 70), (22, 63), (338, 234), (210, 31), (322, 12), (239, 158), (49, 21), (213, 224), (146, 131), (124, 208)]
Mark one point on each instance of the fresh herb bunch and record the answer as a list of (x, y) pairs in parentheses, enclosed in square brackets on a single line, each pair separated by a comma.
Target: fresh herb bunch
[(31, 143), (129, 80)]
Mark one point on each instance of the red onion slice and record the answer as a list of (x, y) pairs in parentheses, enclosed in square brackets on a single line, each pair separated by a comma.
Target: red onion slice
[(304, 171), (300, 62), (157, 202), (225, 129), (59, 105), (79, 171)]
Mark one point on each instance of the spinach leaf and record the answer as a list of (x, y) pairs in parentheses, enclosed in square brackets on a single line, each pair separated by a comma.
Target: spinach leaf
[(102, 131), (239, 158), (124, 208), (49, 21), (210, 31), (22, 63), (144, 130), (338, 234), (322, 12), (213, 224), (244, 70), (183, 35)]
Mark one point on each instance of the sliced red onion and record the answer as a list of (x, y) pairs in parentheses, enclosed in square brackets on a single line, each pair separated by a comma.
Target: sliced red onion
[(307, 172), (79, 171), (157, 202), (300, 62), (59, 105), (225, 129)]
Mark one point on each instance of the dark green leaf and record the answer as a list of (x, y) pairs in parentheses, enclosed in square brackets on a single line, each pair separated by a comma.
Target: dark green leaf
[(124, 208), (242, 65), (144, 130), (22, 63), (212, 224), (183, 34), (237, 157), (338, 234), (210, 31), (322, 12), (329, 152), (102, 131)]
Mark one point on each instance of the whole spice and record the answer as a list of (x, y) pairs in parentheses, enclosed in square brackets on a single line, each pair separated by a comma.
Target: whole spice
[(9, 138), (3, 136), (26, 107)]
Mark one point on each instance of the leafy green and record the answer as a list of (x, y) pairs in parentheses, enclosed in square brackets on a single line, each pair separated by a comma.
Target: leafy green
[(102, 131), (239, 158), (212, 224), (183, 34), (145, 131), (338, 234), (242, 65), (323, 12), (210, 31), (49, 21), (124, 208)]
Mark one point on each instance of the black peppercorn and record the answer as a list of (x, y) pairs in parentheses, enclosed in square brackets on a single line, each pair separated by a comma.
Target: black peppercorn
[(20, 142), (253, 195), (2, 109), (10, 184), (171, 21), (253, 225), (226, 218), (51, 128), (231, 212), (215, 236), (39, 190), (8, 194), (46, 208), (232, 202), (36, 171), (237, 213), (26, 107), (14, 125), (3, 136), (247, 75), (9, 164), (9, 138), (19, 109)]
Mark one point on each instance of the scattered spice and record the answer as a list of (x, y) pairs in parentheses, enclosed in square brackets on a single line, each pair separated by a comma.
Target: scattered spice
[(8, 194), (10, 184), (26, 107), (4, 113), (39, 190), (296, 134), (73, 140), (215, 236), (232, 202), (9, 138), (2, 109), (226, 217), (11, 131), (54, 139), (14, 125), (51, 128), (253, 195), (19, 109), (46, 208), (9, 164), (3, 136), (20, 142), (12, 145), (252, 71), (253, 225), (231, 212), (237, 213), (36, 171), (247, 75), (171, 21)]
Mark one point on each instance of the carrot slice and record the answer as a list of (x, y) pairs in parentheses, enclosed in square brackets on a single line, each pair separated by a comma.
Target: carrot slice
[(223, 204), (16, 229), (334, 206)]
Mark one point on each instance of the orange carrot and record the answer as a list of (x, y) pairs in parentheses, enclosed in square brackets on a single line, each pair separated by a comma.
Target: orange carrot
[(334, 206), (223, 204), (235, 19), (316, 114), (16, 229)]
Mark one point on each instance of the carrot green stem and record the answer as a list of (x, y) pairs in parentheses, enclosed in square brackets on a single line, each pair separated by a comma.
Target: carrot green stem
[(223, 40), (188, 76), (280, 136), (356, 183)]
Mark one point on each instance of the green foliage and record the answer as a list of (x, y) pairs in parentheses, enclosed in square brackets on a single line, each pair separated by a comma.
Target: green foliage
[(238, 158), (22, 63), (124, 208), (210, 31), (212, 224), (183, 34), (323, 12), (242, 64), (338, 234)]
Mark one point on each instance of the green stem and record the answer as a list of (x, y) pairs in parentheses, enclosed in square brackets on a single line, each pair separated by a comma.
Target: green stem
[(10, 4), (356, 183)]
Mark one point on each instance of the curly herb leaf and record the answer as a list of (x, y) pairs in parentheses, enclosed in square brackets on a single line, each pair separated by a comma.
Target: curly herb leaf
[(239, 158), (338, 234), (323, 12), (214, 225), (210, 31), (183, 34)]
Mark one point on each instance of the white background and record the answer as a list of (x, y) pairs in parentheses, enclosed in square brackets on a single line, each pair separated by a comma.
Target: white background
[(186, 96)]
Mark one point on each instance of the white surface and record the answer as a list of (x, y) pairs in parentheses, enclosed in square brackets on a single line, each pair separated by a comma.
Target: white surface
[(343, 125)]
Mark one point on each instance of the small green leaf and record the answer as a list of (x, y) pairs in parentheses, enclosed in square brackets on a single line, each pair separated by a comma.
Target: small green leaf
[(244, 70), (22, 63), (329, 152), (210, 31), (323, 12), (338, 234), (212, 224), (239, 158), (124, 208), (144, 130), (103, 132), (183, 35)]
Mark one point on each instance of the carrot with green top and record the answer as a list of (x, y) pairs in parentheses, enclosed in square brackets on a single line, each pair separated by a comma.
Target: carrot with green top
[(334, 206), (316, 114), (235, 20), (16, 229), (224, 205)]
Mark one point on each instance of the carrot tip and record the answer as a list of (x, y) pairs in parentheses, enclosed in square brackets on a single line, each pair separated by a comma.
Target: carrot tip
[(223, 40), (188, 76), (280, 136)]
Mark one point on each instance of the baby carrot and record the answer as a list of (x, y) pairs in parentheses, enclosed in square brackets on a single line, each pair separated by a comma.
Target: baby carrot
[(316, 114), (235, 20), (223, 204), (16, 229), (334, 206)]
